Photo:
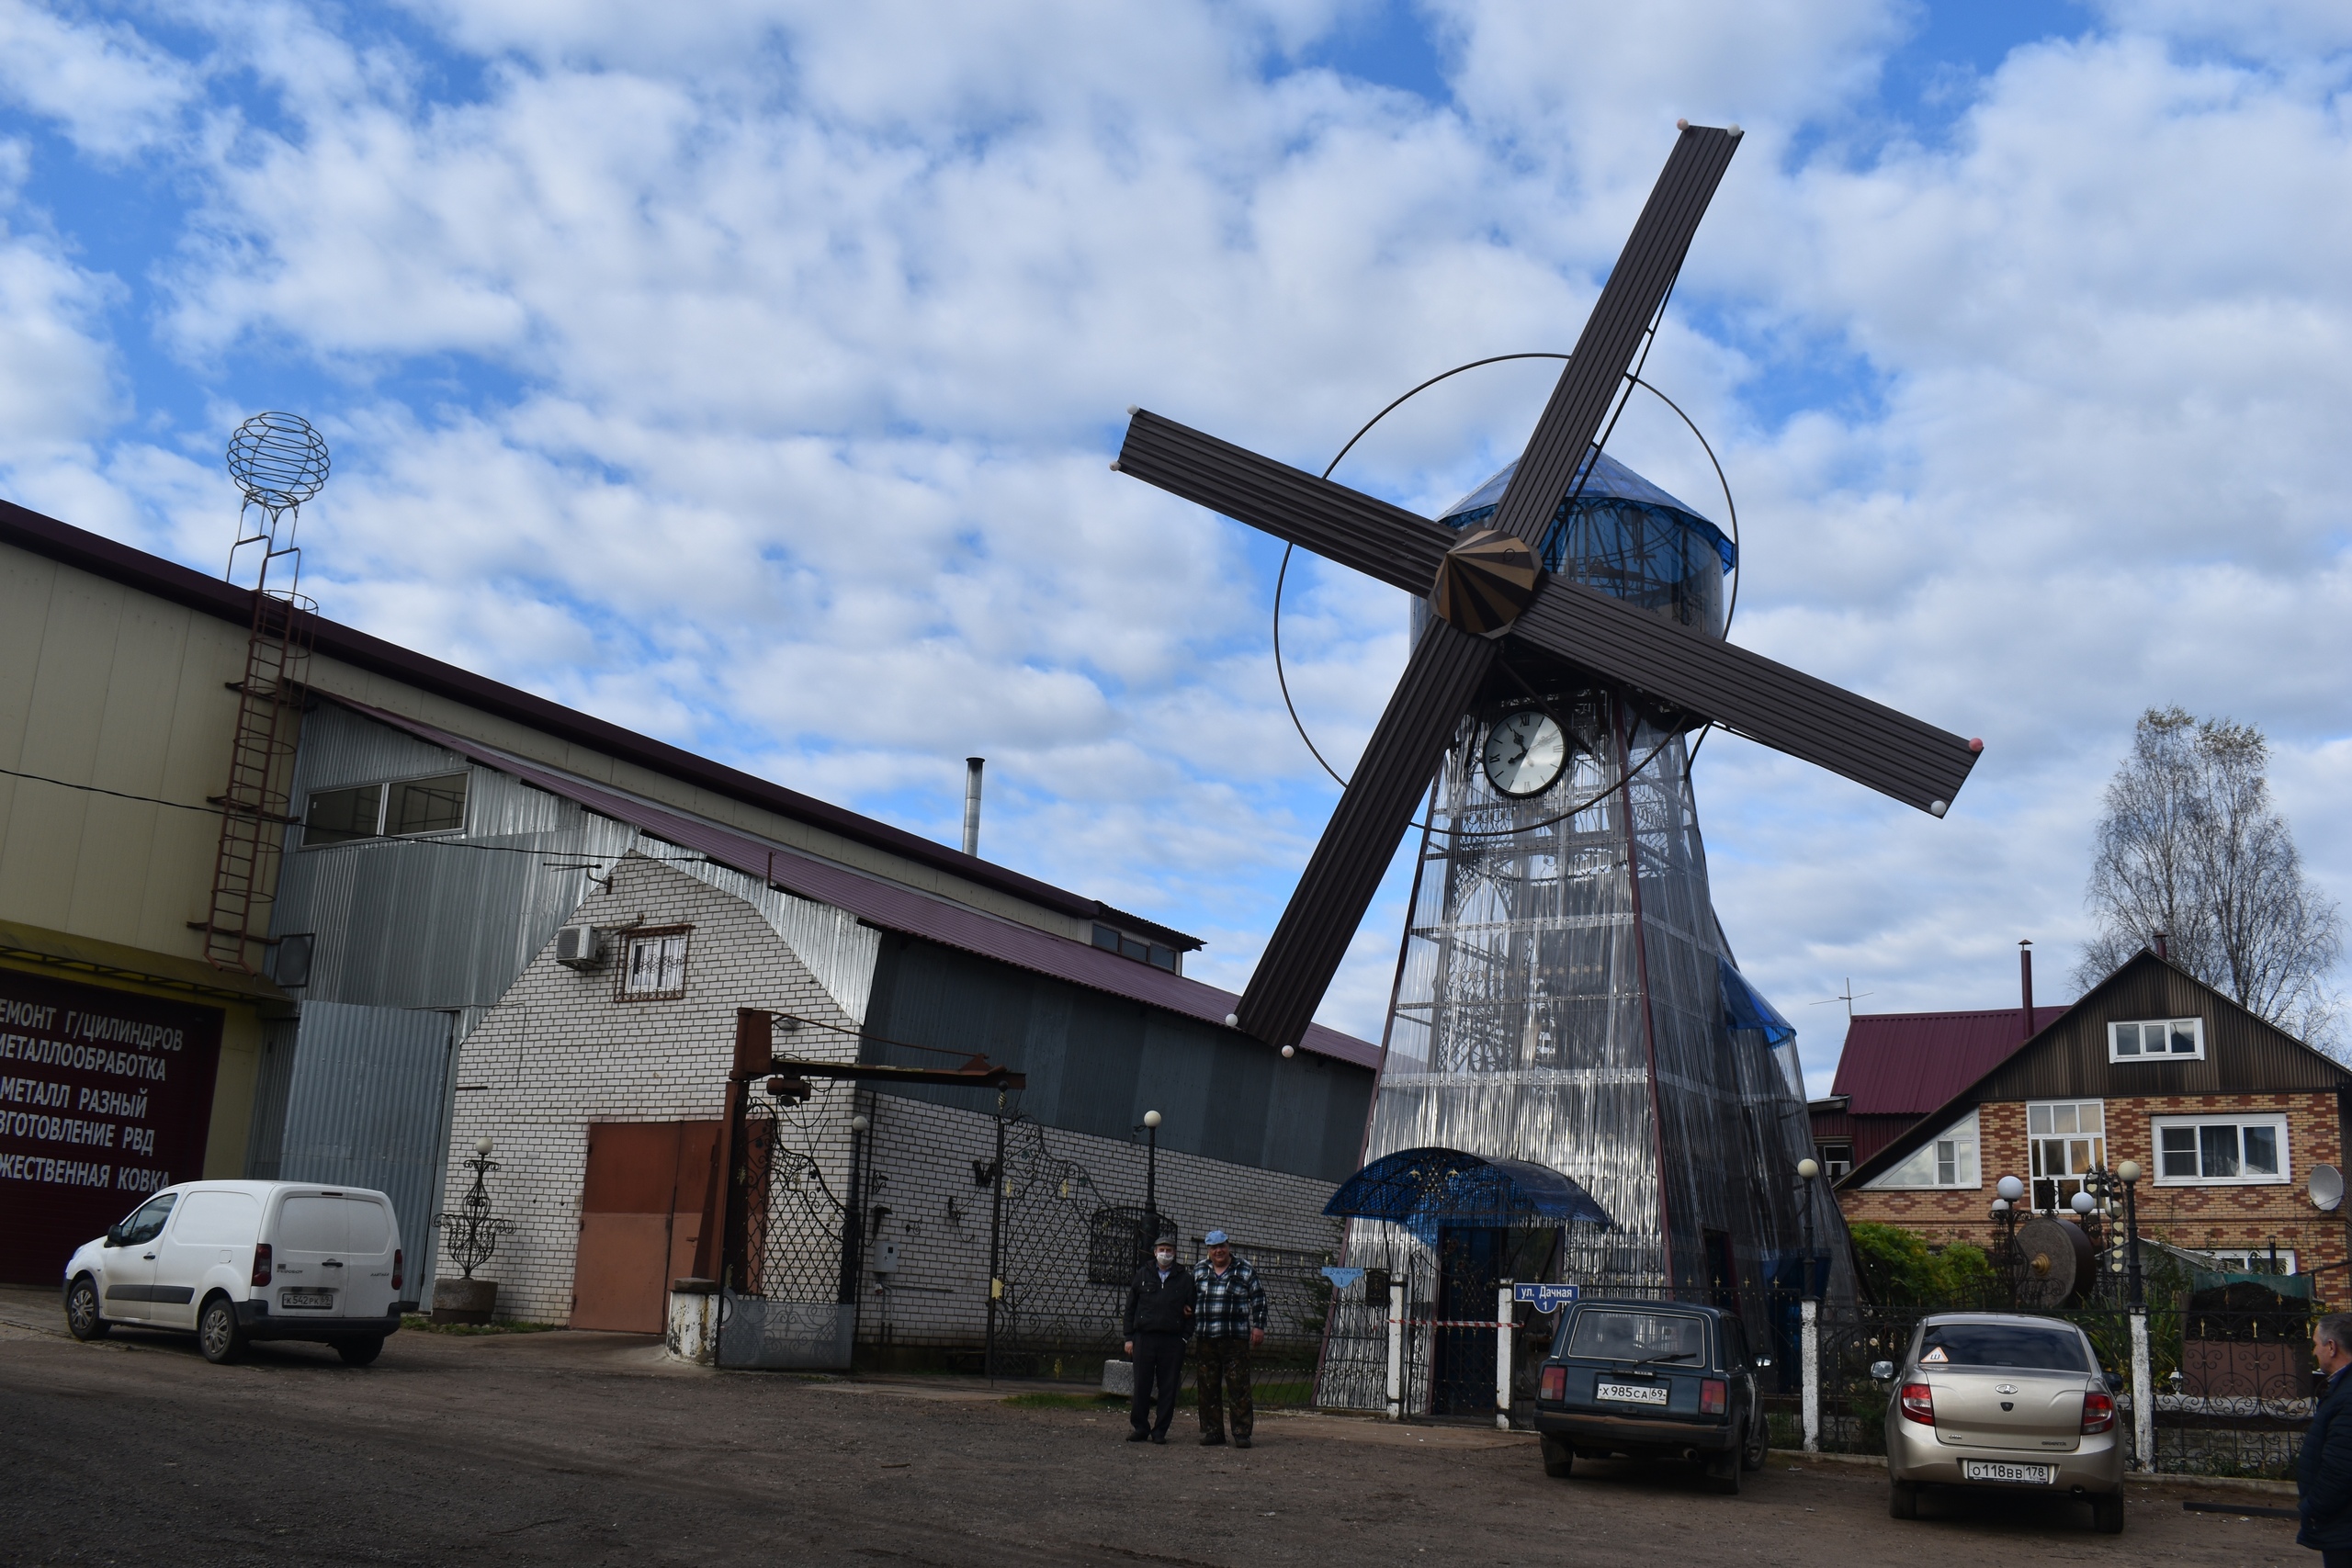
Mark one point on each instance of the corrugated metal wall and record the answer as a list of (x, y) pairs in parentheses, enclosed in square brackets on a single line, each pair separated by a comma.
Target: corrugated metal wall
[(1096, 1063), (367, 1107), (271, 1084)]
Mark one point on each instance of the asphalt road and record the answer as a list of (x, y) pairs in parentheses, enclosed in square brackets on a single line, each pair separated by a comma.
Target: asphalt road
[(582, 1449)]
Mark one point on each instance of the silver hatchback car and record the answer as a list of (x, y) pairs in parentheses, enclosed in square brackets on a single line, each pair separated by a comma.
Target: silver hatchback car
[(2003, 1401)]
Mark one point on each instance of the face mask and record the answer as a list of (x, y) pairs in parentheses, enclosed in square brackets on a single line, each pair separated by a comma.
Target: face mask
[(1165, 1259)]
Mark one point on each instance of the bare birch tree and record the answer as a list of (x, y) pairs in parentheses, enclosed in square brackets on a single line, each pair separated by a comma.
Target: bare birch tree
[(2192, 847)]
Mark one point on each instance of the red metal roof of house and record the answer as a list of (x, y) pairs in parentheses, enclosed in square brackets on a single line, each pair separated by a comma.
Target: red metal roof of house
[(1907, 1063)]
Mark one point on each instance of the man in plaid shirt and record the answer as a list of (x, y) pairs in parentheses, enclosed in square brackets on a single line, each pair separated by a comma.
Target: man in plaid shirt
[(1228, 1323)]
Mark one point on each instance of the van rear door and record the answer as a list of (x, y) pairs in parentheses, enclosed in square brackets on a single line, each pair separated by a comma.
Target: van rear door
[(308, 1266), (367, 1261)]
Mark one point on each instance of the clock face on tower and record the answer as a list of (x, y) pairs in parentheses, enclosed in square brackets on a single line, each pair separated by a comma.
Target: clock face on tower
[(1524, 754)]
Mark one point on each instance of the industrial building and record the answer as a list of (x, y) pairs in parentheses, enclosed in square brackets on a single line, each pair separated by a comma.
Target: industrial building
[(345, 964)]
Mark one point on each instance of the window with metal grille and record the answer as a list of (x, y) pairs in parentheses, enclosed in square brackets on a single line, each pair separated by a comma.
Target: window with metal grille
[(2162, 1039), (2243, 1148), (655, 964), (2068, 1138)]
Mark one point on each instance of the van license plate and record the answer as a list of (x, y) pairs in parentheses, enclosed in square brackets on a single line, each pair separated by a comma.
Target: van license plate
[(1630, 1392), (316, 1300), (1998, 1469)]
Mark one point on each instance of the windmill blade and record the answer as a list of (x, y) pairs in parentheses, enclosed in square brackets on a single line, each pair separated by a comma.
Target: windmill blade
[(1749, 694), (1398, 547), (1336, 888), (1629, 301)]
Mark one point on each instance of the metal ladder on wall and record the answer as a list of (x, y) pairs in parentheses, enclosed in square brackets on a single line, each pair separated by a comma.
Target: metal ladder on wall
[(253, 815)]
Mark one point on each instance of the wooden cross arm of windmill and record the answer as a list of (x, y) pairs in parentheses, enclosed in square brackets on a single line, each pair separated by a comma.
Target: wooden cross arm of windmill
[(1490, 585)]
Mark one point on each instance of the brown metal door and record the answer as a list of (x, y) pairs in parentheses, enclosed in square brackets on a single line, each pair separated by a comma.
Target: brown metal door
[(640, 1220)]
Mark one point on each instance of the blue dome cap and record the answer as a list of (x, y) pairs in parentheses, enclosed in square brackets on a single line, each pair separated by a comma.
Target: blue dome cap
[(1605, 479)]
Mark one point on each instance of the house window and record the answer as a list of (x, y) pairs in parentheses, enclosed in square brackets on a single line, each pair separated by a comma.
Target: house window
[(2069, 1139), (405, 807), (2169, 1039), (427, 806), (2237, 1150), (1949, 1159), (655, 965), (1836, 1160), (1110, 939), (339, 815)]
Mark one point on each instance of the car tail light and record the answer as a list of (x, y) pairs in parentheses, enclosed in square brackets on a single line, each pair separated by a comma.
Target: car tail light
[(1714, 1397), (1919, 1404), (261, 1264), (2098, 1412), (396, 1258), (1555, 1385)]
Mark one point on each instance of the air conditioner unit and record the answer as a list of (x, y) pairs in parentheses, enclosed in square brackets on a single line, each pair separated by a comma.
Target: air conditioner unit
[(582, 947)]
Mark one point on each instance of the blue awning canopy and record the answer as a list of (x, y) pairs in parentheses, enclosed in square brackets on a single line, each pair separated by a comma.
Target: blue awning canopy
[(1423, 1189)]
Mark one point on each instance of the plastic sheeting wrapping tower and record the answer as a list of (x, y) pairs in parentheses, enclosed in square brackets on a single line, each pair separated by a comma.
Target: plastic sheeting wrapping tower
[(1566, 996)]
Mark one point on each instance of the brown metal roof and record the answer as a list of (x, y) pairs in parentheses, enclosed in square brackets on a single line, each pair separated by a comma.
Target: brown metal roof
[(2067, 1060), (879, 903), (169, 580), (1907, 1063)]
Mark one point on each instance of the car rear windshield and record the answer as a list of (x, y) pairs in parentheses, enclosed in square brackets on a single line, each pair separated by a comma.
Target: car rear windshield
[(1606, 1334), (2023, 1345)]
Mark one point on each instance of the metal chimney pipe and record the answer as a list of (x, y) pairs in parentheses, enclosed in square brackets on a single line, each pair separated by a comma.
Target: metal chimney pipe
[(972, 766), (2160, 946), (2025, 985)]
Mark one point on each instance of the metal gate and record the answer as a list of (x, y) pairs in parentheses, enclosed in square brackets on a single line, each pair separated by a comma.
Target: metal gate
[(1064, 1254), (787, 1299)]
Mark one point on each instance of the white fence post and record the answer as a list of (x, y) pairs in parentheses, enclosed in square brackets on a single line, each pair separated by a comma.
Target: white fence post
[(1502, 1353), (1810, 1338), (1396, 1347), (2143, 1390)]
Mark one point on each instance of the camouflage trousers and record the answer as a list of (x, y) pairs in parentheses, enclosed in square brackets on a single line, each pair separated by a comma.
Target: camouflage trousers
[(1221, 1378)]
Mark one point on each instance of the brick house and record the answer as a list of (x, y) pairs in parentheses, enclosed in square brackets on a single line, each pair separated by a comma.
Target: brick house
[(2228, 1116), (1899, 1067)]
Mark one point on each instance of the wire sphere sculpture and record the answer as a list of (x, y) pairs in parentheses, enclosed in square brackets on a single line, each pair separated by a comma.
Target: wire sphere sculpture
[(278, 460)]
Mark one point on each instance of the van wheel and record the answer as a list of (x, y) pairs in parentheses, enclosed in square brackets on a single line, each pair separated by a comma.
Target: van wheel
[(219, 1334), (360, 1351), (1722, 1472), (1759, 1435), (83, 1318), (1559, 1457), (2106, 1512), (1902, 1497)]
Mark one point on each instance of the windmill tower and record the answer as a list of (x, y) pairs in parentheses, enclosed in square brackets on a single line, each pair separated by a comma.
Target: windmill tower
[(279, 462), (1564, 992)]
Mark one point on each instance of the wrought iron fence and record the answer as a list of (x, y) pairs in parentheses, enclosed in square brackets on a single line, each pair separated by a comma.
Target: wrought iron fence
[(787, 1299)]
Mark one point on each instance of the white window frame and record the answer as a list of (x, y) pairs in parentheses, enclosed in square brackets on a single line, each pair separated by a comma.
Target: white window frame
[(2238, 1118), (2063, 1186), (2252, 1259), (1952, 1161), (2115, 1052), (669, 981)]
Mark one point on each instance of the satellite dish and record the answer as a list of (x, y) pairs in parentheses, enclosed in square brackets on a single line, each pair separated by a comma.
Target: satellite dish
[(2327, 1187)]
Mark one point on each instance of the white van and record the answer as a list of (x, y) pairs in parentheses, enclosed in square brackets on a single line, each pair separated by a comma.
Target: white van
[(235, 1261)]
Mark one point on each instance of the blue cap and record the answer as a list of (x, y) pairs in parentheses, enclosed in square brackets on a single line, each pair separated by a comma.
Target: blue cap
[(1214, 1239)]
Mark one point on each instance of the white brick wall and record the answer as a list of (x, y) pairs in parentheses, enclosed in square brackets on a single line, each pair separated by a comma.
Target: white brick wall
[(559, 1051)]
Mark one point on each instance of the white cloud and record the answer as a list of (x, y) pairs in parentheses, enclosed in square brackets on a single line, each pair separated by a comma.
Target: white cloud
[(747, 373)]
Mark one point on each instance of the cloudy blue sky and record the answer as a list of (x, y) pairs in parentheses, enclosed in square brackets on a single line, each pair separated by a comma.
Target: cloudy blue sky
[(746, 371)]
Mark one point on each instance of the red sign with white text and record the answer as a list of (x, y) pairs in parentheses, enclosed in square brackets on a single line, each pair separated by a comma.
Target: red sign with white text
[(105, 1097)]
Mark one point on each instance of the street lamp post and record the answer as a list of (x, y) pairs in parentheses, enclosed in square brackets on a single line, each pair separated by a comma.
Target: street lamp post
[(1807, 1170), (2009, 1189), (1151, 1170)]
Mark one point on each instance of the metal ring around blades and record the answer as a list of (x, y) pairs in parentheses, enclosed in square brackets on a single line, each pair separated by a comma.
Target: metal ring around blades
[(1282, 573)]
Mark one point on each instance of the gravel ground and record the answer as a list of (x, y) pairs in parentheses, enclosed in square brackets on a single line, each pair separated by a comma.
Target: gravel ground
[(580, 1448)]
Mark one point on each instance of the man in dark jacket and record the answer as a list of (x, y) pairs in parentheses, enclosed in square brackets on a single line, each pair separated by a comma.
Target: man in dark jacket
[(2323, 1480), (1159, 1315)]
